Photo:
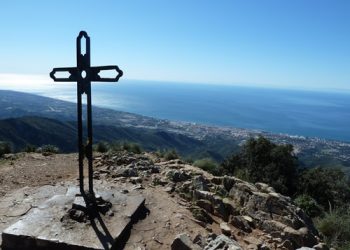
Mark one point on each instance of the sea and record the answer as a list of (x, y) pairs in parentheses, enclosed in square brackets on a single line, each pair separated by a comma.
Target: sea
[(323, 114)]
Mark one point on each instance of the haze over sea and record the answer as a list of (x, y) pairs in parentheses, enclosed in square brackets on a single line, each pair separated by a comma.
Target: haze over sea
[(295, 112)]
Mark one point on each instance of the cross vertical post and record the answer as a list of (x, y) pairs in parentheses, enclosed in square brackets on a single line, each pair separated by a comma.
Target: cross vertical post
[(84, 86), (83, 74)]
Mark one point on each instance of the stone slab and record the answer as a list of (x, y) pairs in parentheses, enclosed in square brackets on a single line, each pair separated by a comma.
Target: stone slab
[(44, 226)]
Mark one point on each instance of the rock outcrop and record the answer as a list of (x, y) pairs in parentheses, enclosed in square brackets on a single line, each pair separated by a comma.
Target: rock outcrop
[(244, 215)]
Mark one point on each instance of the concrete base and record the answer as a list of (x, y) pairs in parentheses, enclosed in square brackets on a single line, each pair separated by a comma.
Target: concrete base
[(47, 226)]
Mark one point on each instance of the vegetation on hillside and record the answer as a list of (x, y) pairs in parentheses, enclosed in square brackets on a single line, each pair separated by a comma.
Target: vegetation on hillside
[(208, 165), (323, 193), (5, 148), (27, 133), (48, 149), (260, 160), (103, 147), (168, 154)]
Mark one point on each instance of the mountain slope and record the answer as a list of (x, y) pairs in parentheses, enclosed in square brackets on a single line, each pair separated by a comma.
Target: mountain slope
[(39, 131)]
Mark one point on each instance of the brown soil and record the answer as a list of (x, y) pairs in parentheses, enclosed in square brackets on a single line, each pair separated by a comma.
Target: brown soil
[(168, 216), (33, 170)]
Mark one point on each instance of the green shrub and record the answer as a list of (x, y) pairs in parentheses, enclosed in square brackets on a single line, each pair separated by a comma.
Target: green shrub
[(188, 160), (309, 205), (171, 155), (132, 147), (5, 148), (326, 186), (207, 164), (48, 149), (115, 146), (260, 160), (159, 153), (101, 147), (29, 148), (335, 228)]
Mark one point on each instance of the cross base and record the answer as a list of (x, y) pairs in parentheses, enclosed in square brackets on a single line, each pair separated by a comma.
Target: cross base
[(48, 226), (86, 208)]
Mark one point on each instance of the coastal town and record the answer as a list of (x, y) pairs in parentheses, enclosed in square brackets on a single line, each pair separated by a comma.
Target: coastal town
[(308, 148)]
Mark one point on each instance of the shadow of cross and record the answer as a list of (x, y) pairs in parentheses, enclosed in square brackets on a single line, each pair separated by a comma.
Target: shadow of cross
[(84, 74)]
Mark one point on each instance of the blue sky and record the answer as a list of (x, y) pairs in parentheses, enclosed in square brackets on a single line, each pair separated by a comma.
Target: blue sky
[(299, 43)]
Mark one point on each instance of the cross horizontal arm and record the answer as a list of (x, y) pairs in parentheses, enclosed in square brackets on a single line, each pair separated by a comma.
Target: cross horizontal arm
[(95, 71), (73, 77)]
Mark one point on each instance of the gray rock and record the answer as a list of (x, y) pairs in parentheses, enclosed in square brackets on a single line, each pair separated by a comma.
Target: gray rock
[(206, 205), (147, 166), (252, 247), (321, 246), (300, 237), (135, 180), (183, 242), (204, 195), (222, 242), (156, 180), (216, 201), (228, 182), (230, 206), (178, 175), (241, 223), (124, 160), (201, 215), (264, 247), (286, 245), (200, 183), (137, 187), (199, 240), (273, 213), (216, 180), (225, 229), (154, 170), (253, 241), (125, 172), (169, 189)]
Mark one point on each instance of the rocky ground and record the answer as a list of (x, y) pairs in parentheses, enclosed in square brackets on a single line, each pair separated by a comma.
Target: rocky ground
[(186, 208)]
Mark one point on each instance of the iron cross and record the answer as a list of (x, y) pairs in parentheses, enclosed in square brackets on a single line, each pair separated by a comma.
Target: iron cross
[(84, 74)]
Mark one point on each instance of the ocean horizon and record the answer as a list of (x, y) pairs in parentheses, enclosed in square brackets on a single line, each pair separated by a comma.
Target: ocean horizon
[(295, 112)]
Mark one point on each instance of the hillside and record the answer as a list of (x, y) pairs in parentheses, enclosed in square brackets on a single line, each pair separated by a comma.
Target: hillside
[(39, 131), (186, 208), (209, 141)]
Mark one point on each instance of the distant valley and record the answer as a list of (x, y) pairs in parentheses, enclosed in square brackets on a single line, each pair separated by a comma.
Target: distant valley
[(28, 118)]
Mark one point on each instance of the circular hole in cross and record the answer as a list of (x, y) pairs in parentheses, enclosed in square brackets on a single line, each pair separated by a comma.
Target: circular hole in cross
[(83, 74)]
